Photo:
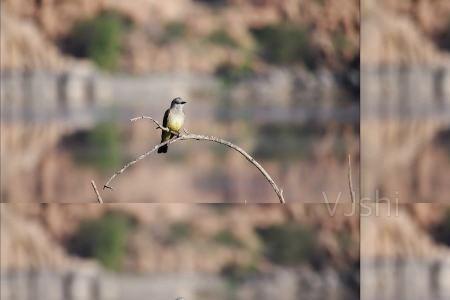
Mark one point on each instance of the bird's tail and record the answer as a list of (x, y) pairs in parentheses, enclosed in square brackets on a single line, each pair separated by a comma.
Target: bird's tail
[(163, 149), (165, 136)]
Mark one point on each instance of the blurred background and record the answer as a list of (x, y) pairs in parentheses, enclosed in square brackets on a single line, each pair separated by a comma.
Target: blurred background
[(405, 251), (405, 112), (279, 78), (164, 251)]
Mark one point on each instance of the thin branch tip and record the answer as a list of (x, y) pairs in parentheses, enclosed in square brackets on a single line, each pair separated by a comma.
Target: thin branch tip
[(350, 182), (99, 198)]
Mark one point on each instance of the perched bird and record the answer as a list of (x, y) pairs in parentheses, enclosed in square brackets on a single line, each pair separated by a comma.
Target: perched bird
[(173, 119)]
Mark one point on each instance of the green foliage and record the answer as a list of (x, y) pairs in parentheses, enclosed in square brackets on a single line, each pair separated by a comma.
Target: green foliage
[(289, 244), (98, 39), (320, 2), (222, 38), (227, 238), (174, 31), (103, 239), (179, 231), (236, 273), (286, 44), (100, 147), (340, 42), (345, 240)]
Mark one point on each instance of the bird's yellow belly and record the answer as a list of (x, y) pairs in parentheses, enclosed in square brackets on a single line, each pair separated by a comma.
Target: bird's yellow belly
[(175, 122)]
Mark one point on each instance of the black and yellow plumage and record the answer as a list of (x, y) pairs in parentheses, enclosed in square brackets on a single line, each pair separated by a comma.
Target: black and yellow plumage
[(174, 120), (164, 134)]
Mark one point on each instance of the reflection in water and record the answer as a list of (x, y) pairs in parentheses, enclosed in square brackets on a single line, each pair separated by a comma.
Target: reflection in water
[(403, 112), (95, 285), (290, 129), (408, 279)]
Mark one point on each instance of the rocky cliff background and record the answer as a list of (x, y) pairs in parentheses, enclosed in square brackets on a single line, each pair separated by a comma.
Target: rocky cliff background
[(405, 107), (96, 251), (274, 76), (177, 35)]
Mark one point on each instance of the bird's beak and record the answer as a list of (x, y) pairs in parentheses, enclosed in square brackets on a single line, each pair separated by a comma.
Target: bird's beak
[(183, 102)]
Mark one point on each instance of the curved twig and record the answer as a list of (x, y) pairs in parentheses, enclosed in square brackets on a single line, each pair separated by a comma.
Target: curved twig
[(189, 136), (158, 125)]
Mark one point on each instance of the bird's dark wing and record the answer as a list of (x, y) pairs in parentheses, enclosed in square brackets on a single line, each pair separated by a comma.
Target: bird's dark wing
[(166, 117), (164, 134)]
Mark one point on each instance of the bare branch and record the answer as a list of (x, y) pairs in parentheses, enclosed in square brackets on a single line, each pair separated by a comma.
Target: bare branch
[(350, 183), (188, 136), (99, 198), (158, 125), (149, 118), (142, 156)]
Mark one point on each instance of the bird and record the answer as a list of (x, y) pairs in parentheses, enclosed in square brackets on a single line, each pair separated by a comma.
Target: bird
[(174, 120)]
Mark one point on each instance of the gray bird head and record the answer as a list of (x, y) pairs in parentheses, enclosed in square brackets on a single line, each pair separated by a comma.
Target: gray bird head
[(177, 103)]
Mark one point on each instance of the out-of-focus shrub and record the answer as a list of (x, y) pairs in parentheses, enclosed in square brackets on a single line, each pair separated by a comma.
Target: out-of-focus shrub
[(340, 42), (179, 231), (222, 38), (105, 138), (173, 31), (103, 239), (236, 273), (98, 147), (98, 39), (286, 44), (227, 238), (290, 244)]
